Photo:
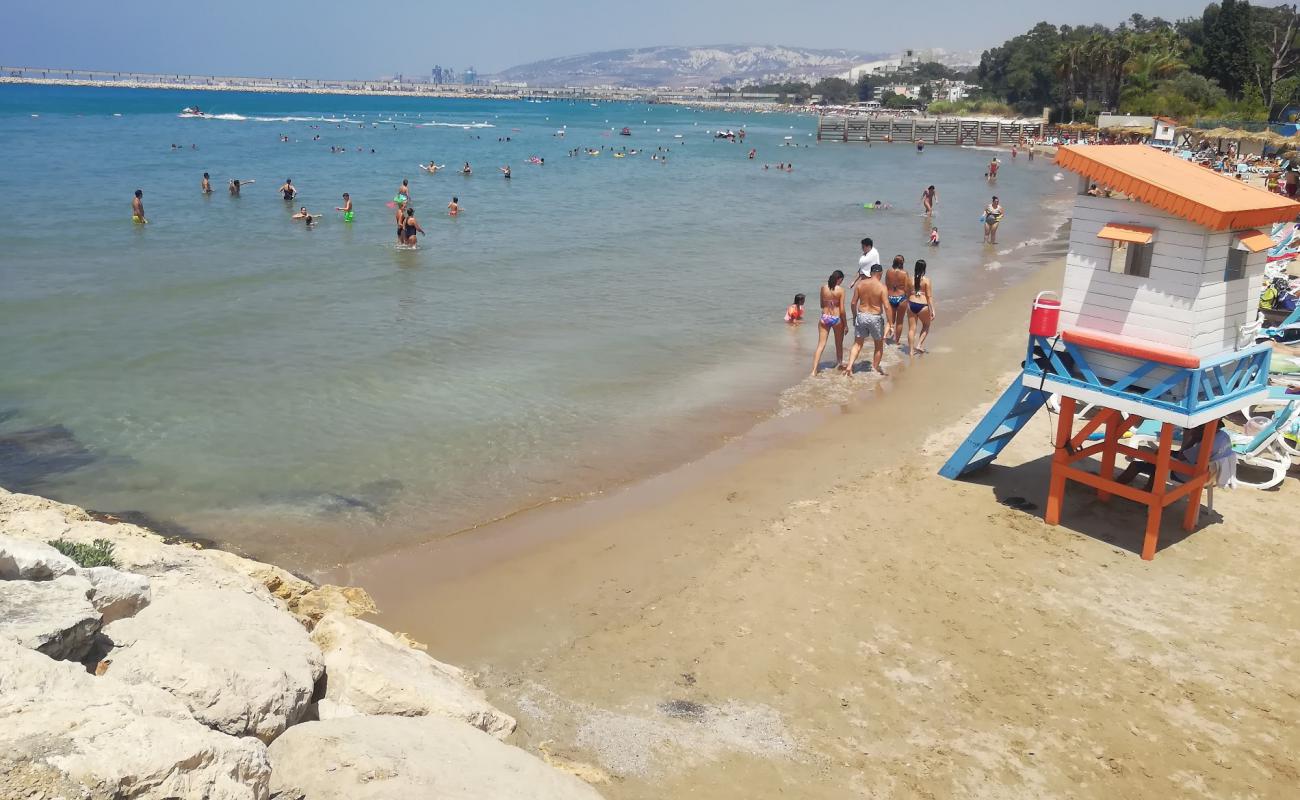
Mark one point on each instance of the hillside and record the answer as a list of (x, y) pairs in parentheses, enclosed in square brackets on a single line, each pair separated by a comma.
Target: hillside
[(733, 65)]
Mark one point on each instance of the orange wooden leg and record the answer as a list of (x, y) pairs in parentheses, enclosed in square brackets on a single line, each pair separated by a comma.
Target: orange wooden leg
[(1193, 513), (1156, 506), (1056, 490), (1113, 429)]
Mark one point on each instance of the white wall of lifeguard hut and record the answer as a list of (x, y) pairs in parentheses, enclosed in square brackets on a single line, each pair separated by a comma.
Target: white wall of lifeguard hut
[(1135, 270)]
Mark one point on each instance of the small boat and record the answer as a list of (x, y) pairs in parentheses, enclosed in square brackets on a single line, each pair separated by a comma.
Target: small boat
[(192, 111), (625, 132)]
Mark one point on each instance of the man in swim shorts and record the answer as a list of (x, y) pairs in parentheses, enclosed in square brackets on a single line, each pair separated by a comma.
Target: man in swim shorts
[(868, 307), (346, 208), (897, 285), (137, 207)]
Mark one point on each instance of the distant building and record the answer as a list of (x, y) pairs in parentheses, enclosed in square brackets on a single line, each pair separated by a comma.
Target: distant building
[(436, 74), (469, 76)]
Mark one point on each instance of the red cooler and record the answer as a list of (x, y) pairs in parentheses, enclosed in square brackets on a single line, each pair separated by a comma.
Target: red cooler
[(1046, 316)]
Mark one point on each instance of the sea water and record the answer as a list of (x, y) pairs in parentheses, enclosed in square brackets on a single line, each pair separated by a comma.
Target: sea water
[(315, 394)]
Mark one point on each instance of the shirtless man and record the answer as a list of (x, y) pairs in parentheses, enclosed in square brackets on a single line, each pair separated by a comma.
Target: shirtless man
[(137, 208), (205, 185), (868, 309), (897, 284)]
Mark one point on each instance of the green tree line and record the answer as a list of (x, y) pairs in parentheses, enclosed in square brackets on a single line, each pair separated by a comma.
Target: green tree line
[(1235, 60)]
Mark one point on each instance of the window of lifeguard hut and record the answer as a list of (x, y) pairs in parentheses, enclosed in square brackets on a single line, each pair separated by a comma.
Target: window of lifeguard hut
[(1128, 258)]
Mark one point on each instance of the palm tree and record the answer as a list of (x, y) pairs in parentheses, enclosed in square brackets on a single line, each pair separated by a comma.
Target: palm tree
[(1144, 69)]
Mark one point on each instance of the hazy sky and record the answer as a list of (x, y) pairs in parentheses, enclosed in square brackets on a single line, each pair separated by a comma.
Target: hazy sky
[(335, 39)]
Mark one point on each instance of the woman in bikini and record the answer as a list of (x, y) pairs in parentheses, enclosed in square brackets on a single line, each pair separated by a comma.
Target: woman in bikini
[(832, 319), (897, 288), (920, 308), (928, 199)]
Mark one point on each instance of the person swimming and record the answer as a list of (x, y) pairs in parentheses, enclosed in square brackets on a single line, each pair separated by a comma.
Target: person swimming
[(288, 190), (794, 313), (465, 170)]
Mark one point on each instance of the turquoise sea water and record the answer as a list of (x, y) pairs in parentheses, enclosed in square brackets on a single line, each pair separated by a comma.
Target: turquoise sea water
[(317, 394)]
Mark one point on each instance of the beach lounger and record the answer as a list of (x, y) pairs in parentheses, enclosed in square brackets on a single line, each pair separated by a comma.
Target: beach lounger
[(1265, 450)]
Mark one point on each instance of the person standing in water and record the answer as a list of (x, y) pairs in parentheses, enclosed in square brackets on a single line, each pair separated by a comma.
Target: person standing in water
[(465, 170), (236, 184), (832, 319), (896, 284), (411, 226), (993, 213), (403, 193), (288, 191), (505, 172), (205, 185), (928, 198), (869, 318), (137, 208), (920, 309), (453, 208), (346, 208)]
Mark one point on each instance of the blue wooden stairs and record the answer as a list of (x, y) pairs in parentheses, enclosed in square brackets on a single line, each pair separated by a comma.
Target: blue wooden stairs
[(1009, 414)]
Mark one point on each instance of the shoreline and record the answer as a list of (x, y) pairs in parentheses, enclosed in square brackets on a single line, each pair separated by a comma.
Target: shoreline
[(824, 611)]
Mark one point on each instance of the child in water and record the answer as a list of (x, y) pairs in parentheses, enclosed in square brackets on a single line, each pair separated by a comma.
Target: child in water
[(934, 237), (794, 313)]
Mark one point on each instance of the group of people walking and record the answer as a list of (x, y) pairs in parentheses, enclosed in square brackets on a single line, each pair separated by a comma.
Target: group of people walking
[(880, 303)]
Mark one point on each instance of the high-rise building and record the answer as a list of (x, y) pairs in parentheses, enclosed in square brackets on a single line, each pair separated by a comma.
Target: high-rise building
[(469, 76), (437, 74)]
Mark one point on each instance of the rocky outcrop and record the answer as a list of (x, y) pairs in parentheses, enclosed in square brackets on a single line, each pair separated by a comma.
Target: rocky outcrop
[(242, 665), (374, 758), (65, 733), (202, 658), (371, 672), (23, 559), (51, 617), (116, 594)]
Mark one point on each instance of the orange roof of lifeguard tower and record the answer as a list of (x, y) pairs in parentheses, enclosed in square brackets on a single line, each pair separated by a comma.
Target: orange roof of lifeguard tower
[(1179, 187)]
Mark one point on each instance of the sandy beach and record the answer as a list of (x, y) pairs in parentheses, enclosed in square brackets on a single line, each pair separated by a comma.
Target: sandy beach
[(812, 612)]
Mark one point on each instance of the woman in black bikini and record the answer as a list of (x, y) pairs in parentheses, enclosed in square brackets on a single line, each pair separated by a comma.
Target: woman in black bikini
[(920, 308)]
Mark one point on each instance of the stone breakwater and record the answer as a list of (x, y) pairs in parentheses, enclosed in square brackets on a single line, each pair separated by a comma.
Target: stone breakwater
[(193, 673)]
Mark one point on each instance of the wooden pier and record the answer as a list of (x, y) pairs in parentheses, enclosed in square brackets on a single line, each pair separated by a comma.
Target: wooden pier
[(954, 131)]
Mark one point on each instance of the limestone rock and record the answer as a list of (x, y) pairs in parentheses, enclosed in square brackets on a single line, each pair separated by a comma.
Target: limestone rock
[(369, 671), (116, 594), (24, 559), (65, 733), (351, 601), (241, 664), (379, 758), (52, 617)]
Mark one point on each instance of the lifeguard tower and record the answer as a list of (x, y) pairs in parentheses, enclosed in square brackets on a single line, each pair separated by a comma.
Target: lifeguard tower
[(1153, 323)]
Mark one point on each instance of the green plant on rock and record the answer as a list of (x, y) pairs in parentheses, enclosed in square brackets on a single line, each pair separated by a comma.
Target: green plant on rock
[(98, 553)]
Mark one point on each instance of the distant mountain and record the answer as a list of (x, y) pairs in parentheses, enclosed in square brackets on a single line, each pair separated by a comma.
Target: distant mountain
[(710, 65)]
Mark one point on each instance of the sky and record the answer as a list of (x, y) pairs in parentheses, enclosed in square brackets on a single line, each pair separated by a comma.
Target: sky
[(360, 39)]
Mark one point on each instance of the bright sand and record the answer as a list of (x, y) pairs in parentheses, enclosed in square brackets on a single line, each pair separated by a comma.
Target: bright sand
[(812, 612)]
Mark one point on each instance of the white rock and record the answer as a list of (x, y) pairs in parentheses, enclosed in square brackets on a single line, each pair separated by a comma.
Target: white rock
[(24, 559), (63, 729), (241, 664), (116, 594), (52, 617), (370, 672), (382, 758)]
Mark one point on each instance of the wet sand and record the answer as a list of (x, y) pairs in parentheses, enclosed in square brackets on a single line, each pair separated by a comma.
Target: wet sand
[(812, 612)]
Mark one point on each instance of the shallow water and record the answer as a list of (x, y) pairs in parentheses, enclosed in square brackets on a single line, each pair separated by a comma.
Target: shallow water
[(317, 394)]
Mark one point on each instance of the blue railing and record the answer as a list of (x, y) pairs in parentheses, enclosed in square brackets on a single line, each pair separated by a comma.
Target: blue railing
[(1183, 390)]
